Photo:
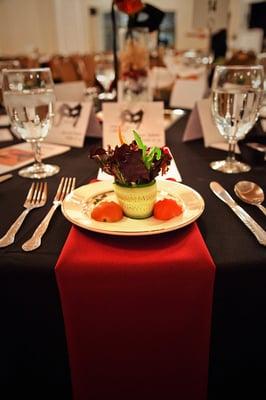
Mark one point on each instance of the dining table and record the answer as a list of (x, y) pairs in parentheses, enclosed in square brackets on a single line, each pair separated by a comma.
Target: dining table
[(34, 360)]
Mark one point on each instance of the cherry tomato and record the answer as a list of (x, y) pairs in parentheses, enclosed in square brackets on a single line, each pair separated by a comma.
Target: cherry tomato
[(107, 211), (166, 209)]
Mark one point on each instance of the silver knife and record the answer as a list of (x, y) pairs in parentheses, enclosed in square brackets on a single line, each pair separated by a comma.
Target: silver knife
[(5, 177), (250, 223)]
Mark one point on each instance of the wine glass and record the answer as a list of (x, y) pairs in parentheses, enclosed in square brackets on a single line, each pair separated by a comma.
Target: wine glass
[(237, 93), (261, 60), (105, 74), (29, 101)]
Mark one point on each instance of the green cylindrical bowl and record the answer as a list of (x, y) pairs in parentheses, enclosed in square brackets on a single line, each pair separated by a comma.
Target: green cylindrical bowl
[(136, 201)]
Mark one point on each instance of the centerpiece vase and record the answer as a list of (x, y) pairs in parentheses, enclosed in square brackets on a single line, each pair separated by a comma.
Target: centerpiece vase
[(133, 65), (136, 201)]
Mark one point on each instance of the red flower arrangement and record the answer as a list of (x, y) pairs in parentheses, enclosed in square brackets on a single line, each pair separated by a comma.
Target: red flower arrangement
[(129, 6)]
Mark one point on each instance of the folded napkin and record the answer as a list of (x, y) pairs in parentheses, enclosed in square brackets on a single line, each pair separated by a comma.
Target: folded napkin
[(137, 314)]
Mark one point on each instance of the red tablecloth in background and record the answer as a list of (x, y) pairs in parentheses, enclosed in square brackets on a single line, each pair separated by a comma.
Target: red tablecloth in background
[(137, 313)]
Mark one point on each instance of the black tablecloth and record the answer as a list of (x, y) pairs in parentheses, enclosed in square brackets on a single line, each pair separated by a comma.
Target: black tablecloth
[(33, 355)]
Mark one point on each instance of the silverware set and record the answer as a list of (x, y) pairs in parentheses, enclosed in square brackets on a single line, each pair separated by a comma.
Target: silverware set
[(37, 197), (66, 185), (249, 222), (250, 193)]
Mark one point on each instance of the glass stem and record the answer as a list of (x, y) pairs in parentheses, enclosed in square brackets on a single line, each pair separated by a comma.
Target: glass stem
[(232, 145), (231, 152), (36, 147)]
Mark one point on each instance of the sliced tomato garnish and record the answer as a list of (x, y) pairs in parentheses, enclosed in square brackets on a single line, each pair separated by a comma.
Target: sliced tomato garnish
[(166, 209), (107, 211)]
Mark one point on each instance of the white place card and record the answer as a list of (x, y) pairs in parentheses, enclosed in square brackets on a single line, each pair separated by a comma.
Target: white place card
[(4, 120), (94, 128), (70, 123), (70, 91), (201, 125), (5, 135), (186, 92), (18, 155), (170, 117), (147, 118)]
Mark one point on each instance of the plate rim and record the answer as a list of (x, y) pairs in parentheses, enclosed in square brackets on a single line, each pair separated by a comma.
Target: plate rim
[(107, 185)]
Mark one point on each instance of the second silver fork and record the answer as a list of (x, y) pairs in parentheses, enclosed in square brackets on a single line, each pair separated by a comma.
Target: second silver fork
[(66, 185), (36, 197)]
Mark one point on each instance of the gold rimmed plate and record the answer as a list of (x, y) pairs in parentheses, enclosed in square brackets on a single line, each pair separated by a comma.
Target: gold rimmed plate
[(78, 205)]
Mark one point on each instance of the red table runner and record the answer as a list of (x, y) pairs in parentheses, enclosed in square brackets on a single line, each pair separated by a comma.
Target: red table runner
[(137, 314)]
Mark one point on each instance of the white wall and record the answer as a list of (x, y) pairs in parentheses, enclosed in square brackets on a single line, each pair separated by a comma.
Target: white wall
[(238, 23), (219, 17), (183, 11), (27, 24), (71, 25), (65, 26)]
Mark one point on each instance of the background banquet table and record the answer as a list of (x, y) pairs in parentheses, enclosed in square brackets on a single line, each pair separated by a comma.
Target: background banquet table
[(33, 345)]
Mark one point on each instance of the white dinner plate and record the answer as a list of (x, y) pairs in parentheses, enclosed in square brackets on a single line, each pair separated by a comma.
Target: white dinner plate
[(78, 205)]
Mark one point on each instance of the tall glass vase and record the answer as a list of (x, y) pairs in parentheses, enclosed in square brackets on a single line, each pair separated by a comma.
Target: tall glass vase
[(133, 65)]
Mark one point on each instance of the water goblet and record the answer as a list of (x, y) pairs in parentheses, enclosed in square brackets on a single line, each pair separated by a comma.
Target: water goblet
[(237, 93), (105, 74), (29, 101), (261, 60)]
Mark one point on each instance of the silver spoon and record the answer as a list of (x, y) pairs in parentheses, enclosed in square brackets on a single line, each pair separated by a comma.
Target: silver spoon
[(250, 193)]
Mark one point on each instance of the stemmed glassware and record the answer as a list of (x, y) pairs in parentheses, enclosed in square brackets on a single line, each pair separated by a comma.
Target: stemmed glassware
[(261, 60), (29, 101), (105, 74), (237, 93)]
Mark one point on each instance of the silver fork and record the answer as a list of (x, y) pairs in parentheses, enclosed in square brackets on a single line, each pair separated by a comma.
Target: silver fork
[(66, 185), (36, 197)]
